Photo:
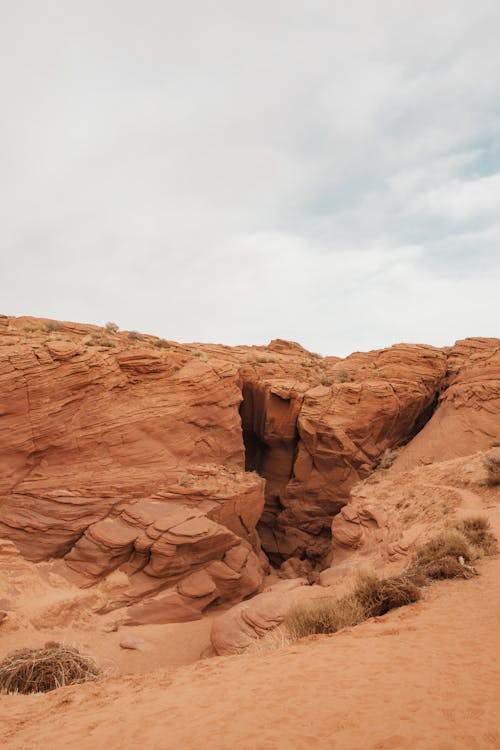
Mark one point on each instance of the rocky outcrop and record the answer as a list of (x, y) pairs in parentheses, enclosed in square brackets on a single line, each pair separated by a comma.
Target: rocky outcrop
[(467, 418), (173, 463), (314, 443)]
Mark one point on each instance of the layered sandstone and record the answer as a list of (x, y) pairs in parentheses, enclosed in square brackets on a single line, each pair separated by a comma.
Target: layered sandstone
[(174, 463)]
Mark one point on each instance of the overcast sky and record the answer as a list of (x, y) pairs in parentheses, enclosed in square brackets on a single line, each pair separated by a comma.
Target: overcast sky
[(236, 171)]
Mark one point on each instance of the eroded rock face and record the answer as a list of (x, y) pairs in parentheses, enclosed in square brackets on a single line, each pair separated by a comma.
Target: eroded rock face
[(172, 463), (467, 418), (314, 443)]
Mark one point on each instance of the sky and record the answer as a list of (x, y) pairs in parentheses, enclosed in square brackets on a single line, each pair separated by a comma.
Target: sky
[(235, 171)]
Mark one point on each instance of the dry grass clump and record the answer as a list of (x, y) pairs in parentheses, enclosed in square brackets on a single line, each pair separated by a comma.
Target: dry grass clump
[(447, 555), (377, 596), (388, 457), (441, 557), (450, 553), (98, 339), (325, 615), (477, 531), (39, 670), (161, 344), (492, 462), (371, 597)]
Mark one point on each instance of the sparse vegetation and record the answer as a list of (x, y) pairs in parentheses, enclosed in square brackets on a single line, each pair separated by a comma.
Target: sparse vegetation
[(371, 597), (325, 615), (186, 480), (492, 462), (51, 326), (377, 596), (136, 336), (98, 339), (111, 327), (477, 531), (39, 670), (450, 554), (30, 328), (343, 376), (162, 344), (388, 457)]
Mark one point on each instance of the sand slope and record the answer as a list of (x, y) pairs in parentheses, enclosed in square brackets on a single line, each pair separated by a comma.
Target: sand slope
[(426, 676)]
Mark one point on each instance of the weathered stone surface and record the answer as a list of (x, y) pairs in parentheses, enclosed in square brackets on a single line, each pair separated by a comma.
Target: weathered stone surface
[(467, 418), (171, 463)]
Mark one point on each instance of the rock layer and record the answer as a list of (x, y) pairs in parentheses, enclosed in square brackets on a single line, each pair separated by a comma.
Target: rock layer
[(172, 463)]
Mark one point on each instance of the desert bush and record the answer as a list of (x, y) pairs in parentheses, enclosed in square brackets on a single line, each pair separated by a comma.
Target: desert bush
[(39, 670), (325, 615), (492, 462), (30, 328), (371, 597), (378, 596), (51, 326), (477, 531), (162, 344), (441, 557), (136, 336), (343, 376), (98, 339), (111, 327)]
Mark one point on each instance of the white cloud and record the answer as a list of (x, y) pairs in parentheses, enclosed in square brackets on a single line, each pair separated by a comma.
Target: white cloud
[(240, 171)]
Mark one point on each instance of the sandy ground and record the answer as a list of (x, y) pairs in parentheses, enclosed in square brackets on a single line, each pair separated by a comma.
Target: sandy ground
[(423, 677), (426, 676)]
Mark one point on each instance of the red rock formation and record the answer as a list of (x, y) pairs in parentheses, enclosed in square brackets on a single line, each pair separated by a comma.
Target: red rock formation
[(124, 451), (468, 416)]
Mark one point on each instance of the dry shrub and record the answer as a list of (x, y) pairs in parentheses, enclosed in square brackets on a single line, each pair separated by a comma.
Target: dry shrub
[(136, 336), (378, 596), (271, 641), (447, 555), (440, 557), (371, 597), (325, 615), (52, 326), (477, 531), (162, 344), (111, 327), (388, 457), (343, 376), (39, 670), (98, 339), (492, 462)]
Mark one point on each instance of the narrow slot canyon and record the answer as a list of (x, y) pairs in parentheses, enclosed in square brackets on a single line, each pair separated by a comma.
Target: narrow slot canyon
[(271, 439)]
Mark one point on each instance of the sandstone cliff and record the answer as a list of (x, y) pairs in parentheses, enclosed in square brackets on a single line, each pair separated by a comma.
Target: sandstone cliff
[(175, 463)]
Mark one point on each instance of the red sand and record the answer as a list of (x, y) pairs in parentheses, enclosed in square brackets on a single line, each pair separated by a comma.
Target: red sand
[(426, 676)]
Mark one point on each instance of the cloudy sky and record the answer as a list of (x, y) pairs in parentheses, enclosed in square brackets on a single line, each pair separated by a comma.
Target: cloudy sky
[(241, 170)]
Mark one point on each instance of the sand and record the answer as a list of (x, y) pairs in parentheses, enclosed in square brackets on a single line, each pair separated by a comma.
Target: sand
[(426, 676)]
